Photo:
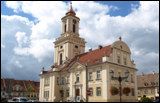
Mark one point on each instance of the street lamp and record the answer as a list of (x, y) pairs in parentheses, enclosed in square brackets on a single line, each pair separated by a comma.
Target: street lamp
[(119, 80)]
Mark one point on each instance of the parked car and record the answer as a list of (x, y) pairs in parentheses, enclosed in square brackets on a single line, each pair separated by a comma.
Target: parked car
[(33, 101), (18, 99), (157, 100)]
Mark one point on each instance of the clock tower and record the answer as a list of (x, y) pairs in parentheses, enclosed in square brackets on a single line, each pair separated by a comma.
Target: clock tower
[(69, 44)]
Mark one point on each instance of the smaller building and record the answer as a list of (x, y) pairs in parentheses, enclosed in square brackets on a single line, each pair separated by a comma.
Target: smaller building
[(148, 84), (19, 88)]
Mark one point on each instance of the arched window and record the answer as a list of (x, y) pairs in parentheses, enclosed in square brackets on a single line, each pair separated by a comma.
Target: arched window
[(77, 78), (74, 26), (65, 28), (60, 59)]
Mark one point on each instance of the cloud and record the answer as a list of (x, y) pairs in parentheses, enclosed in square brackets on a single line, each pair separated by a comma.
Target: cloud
[(31, 44)]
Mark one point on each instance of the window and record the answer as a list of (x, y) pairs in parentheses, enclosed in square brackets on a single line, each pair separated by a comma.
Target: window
[(17, 88), (67, 92), (46, 81), (61, 47), (65, 28), (126, 74), (90, 76), (63, 80), (132, 91), (46, 94), (98, 74), (125, 61), (121, 46), (98, 91), (118, 59), (132, 81), (77, 78), (145, 91), (74, 26), (111, 73), (152, 91), (62, 93), (60, 59), (67, 79), (76, 46), (90, 91)]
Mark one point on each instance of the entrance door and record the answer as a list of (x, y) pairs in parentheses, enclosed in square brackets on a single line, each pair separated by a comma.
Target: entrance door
[(77, 92)]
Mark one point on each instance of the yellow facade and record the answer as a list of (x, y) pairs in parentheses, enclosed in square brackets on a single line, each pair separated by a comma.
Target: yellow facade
[(74, 81)]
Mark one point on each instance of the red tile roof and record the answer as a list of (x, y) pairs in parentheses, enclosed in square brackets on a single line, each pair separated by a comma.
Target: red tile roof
[(95, 56), (23, 83), (147, 80), (91, 58)]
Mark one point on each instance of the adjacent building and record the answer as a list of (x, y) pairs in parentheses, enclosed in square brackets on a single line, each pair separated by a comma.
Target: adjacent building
[(148, 84), (19, 88), (79, 75)]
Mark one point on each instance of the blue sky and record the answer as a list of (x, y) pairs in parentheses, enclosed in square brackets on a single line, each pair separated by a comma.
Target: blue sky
[(124, 8), (29, 29)]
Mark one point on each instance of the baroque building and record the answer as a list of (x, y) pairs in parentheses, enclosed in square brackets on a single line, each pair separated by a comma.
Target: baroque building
[(78, 75)]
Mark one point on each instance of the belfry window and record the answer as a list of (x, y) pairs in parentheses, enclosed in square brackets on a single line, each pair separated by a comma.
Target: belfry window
[(65, 28), (60, 59), (74, 26)]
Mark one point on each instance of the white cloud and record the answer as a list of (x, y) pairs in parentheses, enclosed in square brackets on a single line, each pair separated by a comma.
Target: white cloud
[(139, 28), (18, 64), (21, 38)]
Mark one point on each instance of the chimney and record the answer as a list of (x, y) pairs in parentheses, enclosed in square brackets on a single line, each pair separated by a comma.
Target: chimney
[(100, 47), (90, 49)]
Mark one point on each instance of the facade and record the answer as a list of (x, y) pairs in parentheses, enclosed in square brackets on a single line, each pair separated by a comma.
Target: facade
[(79, 75), (148, 84), (19, 88)]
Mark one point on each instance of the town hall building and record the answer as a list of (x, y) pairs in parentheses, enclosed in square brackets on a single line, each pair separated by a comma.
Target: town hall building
[(77, 75)]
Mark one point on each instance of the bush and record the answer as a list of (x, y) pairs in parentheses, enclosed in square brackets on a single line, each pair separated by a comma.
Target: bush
[(114, 90), (126, 90), (145, 99)]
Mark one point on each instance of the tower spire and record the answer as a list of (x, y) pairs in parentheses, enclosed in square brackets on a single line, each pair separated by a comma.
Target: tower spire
[(70, 6), (71, 11)]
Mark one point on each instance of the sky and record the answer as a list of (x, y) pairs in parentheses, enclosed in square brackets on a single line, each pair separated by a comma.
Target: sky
[(29, 28)]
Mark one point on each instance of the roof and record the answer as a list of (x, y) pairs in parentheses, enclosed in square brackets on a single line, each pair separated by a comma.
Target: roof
[(148, 80), (91, 58), (95, 56), (71, 11), (7, 83)]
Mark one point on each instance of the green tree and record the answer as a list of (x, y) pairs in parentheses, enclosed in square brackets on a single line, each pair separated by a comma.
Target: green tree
[(145, 99)]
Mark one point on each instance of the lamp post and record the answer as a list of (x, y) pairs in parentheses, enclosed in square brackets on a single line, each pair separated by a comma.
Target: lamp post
[(120, 81)]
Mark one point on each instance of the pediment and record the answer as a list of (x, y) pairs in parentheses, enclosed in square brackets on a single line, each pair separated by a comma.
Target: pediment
[(77, 67)]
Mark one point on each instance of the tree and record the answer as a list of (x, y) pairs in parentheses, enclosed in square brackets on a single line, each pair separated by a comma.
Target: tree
[(145, 99)]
